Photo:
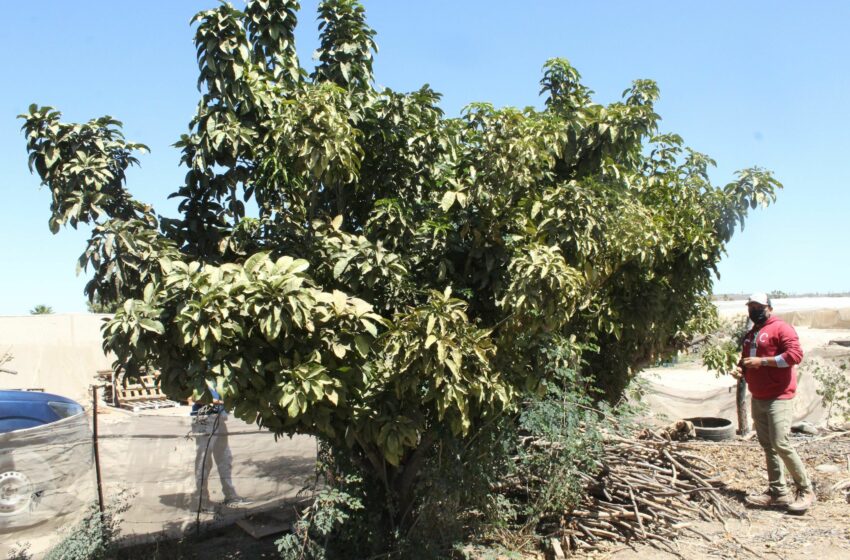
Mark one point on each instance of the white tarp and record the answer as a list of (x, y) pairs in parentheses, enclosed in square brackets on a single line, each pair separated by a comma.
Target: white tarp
[(818, 318), (785, 305), (691, 391), (46, 480), (153, 457)]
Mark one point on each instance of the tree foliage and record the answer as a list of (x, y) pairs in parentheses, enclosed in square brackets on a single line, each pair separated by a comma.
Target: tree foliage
[(721, 350), (348, 262)]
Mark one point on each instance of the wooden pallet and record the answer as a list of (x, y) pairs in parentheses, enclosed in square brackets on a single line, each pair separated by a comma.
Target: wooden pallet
[(142, 389), (137, 394), (149, 405)]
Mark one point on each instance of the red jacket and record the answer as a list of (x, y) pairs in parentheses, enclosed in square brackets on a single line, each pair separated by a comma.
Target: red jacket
[(775, 338)]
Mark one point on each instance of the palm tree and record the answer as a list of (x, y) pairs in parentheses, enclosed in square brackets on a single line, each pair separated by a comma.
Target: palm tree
[(41, 310)]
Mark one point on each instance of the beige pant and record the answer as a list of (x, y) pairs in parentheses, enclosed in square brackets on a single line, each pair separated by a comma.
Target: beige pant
[(772, 419), (210, 431)]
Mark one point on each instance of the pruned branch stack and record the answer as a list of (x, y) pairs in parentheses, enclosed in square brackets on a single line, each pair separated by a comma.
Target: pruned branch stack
[(646, 489)]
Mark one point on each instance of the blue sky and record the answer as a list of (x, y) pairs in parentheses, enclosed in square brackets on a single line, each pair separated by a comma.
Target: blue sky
[(749, 83)]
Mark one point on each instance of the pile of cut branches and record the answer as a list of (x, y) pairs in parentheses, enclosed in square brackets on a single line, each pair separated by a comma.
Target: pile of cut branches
[(642, 490)]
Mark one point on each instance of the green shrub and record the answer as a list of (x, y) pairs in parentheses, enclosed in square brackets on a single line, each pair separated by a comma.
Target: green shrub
[(94, 536), (559, 444), (324, 518), (20, 551), (505, 487), (833, 386)]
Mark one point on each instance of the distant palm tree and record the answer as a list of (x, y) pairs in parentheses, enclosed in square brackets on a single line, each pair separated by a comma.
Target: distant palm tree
[(41, 310)]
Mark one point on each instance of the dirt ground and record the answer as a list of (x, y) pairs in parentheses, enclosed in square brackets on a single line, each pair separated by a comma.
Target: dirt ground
[(823, 533), (229, 543)]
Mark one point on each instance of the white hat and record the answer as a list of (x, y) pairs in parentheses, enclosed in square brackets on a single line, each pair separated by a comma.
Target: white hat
[(760, 298)]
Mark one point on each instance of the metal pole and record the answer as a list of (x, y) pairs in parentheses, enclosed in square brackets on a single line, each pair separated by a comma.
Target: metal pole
[(96, 451)]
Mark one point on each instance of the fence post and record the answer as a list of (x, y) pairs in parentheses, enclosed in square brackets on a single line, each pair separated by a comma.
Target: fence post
[(96, 450), (741, 405)]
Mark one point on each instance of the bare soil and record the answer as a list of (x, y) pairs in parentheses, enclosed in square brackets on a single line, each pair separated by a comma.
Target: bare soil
[(229, 543), (823, 532)]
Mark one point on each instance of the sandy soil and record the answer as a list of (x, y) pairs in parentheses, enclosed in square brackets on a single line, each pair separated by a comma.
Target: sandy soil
[(689, 373)]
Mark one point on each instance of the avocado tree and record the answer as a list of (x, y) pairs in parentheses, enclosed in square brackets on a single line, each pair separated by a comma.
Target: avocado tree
[(350, 263)]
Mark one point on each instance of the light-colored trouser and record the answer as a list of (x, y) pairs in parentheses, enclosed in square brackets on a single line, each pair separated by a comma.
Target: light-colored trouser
[(218, 449), (772, 419)]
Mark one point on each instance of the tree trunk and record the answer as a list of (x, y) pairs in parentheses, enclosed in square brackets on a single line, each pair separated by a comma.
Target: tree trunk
[(404, 483), (741, 404)]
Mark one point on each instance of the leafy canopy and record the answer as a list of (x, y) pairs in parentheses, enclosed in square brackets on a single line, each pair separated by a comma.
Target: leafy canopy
[(349, 262)]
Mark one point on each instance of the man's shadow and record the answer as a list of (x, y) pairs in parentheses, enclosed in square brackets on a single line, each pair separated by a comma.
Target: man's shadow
[(182, 501)]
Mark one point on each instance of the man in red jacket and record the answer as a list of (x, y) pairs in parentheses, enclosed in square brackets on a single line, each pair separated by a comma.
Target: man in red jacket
[(771, 350)]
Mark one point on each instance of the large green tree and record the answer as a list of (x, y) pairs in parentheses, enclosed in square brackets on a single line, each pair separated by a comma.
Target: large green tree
[(350, 263)]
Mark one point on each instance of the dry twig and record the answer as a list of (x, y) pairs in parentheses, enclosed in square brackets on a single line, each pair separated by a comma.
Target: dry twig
[(647, 490)]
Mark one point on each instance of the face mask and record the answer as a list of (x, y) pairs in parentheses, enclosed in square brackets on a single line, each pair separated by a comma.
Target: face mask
[(758, 315)]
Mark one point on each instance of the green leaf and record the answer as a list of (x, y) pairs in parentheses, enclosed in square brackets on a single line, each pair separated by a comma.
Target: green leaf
[(298, 266), (441, 351), (362, 344), (447, 201), (151, 325), (339, 300), (340, 266), (293, 410), (255, 260), (370, 327)]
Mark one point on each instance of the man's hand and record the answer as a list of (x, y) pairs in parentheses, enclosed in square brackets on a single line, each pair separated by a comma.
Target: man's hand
[(737, 373), (751, 362)]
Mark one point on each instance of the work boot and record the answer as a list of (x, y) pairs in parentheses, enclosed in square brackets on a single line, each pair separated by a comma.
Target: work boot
[(768, 499), (805, 500)]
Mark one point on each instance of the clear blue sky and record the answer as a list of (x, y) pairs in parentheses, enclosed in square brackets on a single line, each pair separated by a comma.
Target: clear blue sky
[(749, 83)]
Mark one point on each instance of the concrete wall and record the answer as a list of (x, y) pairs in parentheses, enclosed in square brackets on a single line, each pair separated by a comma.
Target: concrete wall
[(60, 353)]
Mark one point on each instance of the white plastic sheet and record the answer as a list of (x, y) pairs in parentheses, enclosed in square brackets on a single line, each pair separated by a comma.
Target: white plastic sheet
[(149, 459), (46, 481), (153, 458)]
